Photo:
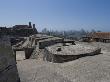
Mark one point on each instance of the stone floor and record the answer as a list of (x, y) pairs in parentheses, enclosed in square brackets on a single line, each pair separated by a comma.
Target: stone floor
[(87, 69), (38, 71)]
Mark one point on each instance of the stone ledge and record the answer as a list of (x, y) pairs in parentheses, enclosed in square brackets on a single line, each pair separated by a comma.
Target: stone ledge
[(59, 58)]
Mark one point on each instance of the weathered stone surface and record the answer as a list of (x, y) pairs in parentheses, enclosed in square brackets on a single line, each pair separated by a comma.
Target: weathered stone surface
[(20, 55), (42, 41), (70, 52), (86, 69), (8, 69), (24, 49), (37, 71), (103, 46), (48, 42)]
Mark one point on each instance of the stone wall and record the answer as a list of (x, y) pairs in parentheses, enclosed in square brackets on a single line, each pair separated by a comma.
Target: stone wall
[(28, 52), (47, 42), (56, 58), (8, 69), (19, 30)]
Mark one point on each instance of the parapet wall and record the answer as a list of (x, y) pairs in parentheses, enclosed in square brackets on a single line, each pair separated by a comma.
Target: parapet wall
[(8, 69)]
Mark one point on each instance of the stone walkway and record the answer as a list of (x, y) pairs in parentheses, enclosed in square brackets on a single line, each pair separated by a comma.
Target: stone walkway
[(37, 71), (87, 69)]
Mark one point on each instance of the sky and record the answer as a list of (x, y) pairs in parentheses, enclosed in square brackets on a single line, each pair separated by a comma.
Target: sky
[(57, 14)]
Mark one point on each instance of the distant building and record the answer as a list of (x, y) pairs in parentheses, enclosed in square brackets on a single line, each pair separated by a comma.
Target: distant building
[(3, 30), (98, 37), (19, 30), (20, 27)]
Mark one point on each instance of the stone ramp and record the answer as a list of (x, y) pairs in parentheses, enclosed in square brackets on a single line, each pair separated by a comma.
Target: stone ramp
[(32, 70)]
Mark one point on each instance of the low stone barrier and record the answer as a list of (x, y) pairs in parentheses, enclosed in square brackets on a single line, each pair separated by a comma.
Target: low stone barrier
[(51, 41), (58, 58)]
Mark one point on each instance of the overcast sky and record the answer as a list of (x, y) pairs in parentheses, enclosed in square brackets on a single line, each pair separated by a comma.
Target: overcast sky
[(57, 14)]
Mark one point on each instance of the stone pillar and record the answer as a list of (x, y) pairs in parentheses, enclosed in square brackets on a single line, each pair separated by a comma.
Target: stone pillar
[(30, 25), (33, 25), (35, 30)]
